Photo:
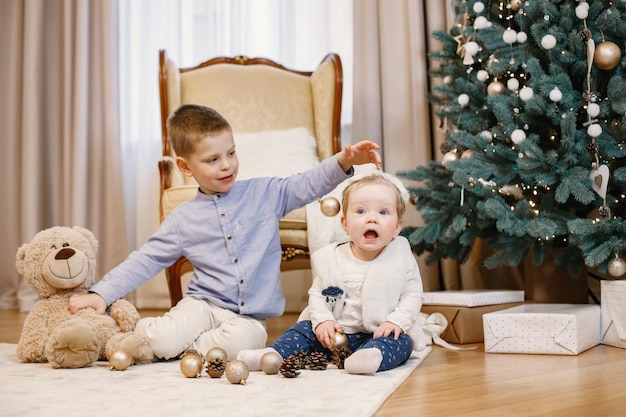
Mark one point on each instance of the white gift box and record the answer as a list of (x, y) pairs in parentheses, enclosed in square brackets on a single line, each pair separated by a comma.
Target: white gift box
[(472, 298), (613, 295), (561, 329)]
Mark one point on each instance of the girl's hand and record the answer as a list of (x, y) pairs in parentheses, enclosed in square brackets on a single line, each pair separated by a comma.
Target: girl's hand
[(386, 328), (325, 333)]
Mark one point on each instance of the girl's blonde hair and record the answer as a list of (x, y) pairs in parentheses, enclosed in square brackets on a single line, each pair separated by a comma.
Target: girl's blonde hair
[(372, 179)]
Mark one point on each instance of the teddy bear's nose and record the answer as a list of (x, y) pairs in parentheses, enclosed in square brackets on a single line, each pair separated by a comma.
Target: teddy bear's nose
[(65, 253)]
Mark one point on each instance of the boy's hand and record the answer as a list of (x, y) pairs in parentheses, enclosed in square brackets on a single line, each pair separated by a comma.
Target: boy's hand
[(79, 302), (386, 328), (325, 333), (360, 153)]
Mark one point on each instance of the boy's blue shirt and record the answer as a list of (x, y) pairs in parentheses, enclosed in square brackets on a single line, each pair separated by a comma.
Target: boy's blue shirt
[(231, 239)]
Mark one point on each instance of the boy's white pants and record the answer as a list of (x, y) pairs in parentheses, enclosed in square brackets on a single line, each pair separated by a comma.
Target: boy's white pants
[(201, 325)]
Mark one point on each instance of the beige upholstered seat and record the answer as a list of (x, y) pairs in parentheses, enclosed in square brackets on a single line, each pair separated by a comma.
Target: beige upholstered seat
[(258, 97)]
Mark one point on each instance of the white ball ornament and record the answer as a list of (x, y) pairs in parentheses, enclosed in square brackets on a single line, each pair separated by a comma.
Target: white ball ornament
[(581, 11), (522, 37), (617, 267), (548, 42), (485, 134), (593, 109), (509, 36), (556, 95), (482, 75), (479, 7), (526, 93), (481, 22), (463, 100), (518, 136), (594, 130), (448, 79), (512, 84)]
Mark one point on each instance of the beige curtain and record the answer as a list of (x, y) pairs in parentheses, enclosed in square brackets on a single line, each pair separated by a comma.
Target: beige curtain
[(60, 124), (391, 82)]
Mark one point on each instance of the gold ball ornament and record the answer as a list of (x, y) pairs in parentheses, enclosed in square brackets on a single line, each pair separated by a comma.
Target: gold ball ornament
[(270, 363), (617, 267), (191, 364), (607, 55), (216, 353), (449, 157), (237, 372), (120, 360), (330, 206), (496, 87), (341, 340), (515, 4)]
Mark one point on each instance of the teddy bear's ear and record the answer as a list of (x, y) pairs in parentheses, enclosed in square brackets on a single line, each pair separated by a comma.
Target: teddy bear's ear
[(89, 235), (19, 258)]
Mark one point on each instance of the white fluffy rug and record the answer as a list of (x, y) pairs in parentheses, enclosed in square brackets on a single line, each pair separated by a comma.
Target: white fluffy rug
[(160, 389)]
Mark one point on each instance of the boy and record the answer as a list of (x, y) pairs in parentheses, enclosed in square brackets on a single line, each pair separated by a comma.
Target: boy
[(368, 287), (229, 232)]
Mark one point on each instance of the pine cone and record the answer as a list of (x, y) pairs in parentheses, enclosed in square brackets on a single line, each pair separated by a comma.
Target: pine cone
[(302, 358), (215, 368), (340, 354), (290, 366), (317, 361)]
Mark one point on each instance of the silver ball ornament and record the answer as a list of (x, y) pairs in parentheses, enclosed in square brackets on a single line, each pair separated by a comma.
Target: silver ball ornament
[(216, 353), (617, 267), (191, 364), (270, 362), (329, 206), (120, 360), (237, 372), (341, 340)]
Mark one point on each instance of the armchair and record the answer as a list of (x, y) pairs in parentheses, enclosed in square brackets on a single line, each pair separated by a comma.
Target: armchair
[(262, 100)]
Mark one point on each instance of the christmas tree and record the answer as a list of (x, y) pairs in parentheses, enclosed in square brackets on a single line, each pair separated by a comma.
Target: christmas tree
[(532, 99)]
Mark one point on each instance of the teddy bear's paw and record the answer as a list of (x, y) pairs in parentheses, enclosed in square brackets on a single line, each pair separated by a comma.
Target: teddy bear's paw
[(135, 345), (74, 344), (125, 315)]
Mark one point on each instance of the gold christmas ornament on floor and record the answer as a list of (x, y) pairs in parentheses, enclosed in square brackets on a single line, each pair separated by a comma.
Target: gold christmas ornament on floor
[(237, 372), (119, 360), (216, 353), (270, 362), (607, 55), (330, 206), (191, 364)]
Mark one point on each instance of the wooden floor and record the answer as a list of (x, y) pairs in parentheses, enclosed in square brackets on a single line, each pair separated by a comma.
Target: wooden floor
[(472, 383)]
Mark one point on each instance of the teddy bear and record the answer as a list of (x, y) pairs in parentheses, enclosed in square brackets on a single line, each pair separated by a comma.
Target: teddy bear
[(57, 263)]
